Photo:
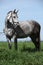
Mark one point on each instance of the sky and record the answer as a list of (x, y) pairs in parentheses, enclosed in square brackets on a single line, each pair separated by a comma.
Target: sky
[(28, 10)]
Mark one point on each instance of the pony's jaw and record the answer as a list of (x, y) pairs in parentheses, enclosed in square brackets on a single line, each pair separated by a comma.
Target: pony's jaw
[(15, 19)]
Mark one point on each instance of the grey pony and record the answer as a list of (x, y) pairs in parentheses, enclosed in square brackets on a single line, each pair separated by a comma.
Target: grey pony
[(21, 29)]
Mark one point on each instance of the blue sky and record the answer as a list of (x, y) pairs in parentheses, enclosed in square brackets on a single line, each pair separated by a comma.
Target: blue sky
[(28, 10)]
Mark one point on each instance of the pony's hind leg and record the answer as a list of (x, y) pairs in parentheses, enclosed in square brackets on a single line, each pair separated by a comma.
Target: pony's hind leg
[(36, 40)]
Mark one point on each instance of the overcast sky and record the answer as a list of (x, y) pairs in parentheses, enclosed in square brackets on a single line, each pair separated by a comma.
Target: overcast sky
[(28, 10)]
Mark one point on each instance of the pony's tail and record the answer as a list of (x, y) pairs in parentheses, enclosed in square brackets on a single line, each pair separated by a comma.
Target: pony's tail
[(39, 27)]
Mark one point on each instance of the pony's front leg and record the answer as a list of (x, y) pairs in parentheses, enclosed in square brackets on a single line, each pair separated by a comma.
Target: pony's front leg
[(9, 43), (15, 42)]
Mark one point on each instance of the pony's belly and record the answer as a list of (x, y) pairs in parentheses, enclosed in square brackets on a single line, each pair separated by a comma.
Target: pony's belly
[(22, 35)]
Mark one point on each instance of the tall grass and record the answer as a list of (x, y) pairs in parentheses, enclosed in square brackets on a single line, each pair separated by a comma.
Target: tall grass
[(25, 55)]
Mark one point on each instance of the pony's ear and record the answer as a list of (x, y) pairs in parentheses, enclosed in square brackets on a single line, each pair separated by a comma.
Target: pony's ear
[(15, 11)]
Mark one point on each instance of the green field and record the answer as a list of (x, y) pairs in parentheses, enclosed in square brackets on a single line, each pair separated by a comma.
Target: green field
[(25, 55)]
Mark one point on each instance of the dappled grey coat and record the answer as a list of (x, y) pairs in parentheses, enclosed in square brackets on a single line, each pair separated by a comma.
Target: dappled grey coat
[(22, 29)]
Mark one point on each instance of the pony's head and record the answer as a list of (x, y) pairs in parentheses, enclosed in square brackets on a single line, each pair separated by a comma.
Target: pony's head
[(15, 16), (12, 16)]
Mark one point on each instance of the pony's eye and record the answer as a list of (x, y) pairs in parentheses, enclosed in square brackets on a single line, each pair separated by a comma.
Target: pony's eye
[(14, 17)]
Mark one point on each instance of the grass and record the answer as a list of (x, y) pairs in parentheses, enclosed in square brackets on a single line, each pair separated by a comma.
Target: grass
[(25, 55)]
